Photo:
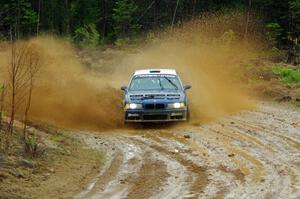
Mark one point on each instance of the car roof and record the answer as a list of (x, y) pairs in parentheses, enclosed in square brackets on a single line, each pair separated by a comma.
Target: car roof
[(156, 71)]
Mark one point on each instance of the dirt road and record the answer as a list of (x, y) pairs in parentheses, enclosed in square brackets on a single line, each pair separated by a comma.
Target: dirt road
[(252, 154)]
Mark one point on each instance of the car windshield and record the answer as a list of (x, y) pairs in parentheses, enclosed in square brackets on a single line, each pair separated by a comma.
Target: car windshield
[(158, 82)]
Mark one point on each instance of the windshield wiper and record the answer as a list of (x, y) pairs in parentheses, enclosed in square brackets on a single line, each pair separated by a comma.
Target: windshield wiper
[(161, 86), (171, 82)]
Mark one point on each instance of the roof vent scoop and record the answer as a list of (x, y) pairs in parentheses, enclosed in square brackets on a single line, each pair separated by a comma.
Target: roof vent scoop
[(154, 71)]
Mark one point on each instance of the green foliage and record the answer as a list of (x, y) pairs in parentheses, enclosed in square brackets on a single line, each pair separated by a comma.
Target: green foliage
[(119, 20), (87, 36), (58, 138), (32, 146), (20, 15), (273, 33), (294, 7), (276, 55), (122, 42), (125, 24), (296, 103), (288, 76), (29, 18), (228, 37), (2, 87)]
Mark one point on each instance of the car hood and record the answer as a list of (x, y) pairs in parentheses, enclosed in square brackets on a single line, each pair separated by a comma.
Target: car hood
[(156, 96)]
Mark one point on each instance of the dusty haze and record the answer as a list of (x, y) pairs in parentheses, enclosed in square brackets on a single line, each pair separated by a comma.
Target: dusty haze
[(72, 95)]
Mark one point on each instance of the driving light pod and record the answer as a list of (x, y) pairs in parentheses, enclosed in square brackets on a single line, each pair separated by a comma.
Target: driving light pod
[(176, 105), (133, 106)]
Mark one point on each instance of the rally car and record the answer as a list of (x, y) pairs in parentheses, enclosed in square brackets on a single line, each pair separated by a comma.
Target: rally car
[(155, 95)]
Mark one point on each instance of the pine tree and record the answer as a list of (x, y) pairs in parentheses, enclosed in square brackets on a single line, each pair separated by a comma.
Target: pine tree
[(125, 24), (18, 17), (294, 33)]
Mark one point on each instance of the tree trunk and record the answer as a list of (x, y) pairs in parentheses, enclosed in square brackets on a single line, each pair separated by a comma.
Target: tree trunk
[(12, 111), (194, 7), (67, 30), (104, 20), (174, 14), (12, 81), (17, 23), (2, 104), (27, 108), (247, 20), (38, 20), (155, 14), (293, 53)]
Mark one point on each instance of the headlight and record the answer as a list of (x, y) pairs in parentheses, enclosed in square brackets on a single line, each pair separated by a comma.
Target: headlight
[(176, 105), (133, 106)]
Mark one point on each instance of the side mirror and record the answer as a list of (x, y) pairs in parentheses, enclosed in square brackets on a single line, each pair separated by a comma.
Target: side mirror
[(124, 88), (186, 87)]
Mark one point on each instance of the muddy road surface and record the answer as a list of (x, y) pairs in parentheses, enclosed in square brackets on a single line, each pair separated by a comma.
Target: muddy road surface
[(252, 154)]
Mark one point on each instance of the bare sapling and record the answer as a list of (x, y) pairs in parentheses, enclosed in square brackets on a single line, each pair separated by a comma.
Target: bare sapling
[(2, 96), (12, 74), (33, 66), (21, 72)]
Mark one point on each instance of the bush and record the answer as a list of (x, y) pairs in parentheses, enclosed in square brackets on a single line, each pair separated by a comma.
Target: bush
[(228, 37), (122, 42), (87, 36), (32, 146), (288, 76), (276, 55), (273, 33)]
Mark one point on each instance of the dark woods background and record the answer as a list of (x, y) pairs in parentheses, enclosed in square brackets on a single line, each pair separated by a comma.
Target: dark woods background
[(96, 22)]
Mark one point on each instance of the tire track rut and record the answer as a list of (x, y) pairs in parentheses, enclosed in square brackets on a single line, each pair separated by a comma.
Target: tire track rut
[(252, 154)]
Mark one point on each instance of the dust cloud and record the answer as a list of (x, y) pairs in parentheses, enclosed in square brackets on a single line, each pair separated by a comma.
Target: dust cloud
[(70, 95), (66, 93), (216, 91), (207, 53)]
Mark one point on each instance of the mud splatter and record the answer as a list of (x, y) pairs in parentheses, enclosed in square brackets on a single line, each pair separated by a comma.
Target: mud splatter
[(72, 95)]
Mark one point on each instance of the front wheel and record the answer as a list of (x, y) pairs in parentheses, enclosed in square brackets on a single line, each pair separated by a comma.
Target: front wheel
[(188, 115)]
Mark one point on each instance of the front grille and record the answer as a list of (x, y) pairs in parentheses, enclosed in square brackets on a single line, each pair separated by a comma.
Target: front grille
[(136, 97), (155, 117), (154, 106), (133, 118), (159, 106), (173, 96), (149, 106), (177, 117), (155, 96)]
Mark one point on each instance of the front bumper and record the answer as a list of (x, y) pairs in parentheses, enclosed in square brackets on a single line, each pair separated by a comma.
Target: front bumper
[(166, 115)]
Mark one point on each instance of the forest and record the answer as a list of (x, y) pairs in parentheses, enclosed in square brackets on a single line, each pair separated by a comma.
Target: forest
[(64, 130), (109, 21)]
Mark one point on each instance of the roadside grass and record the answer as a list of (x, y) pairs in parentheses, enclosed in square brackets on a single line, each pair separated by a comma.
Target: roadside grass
[(296, 103), (58, 138), (274, 81), (287, 76), (65, 164)]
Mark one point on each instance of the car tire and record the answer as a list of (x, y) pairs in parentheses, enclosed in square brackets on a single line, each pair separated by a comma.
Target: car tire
[(188, 115)]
